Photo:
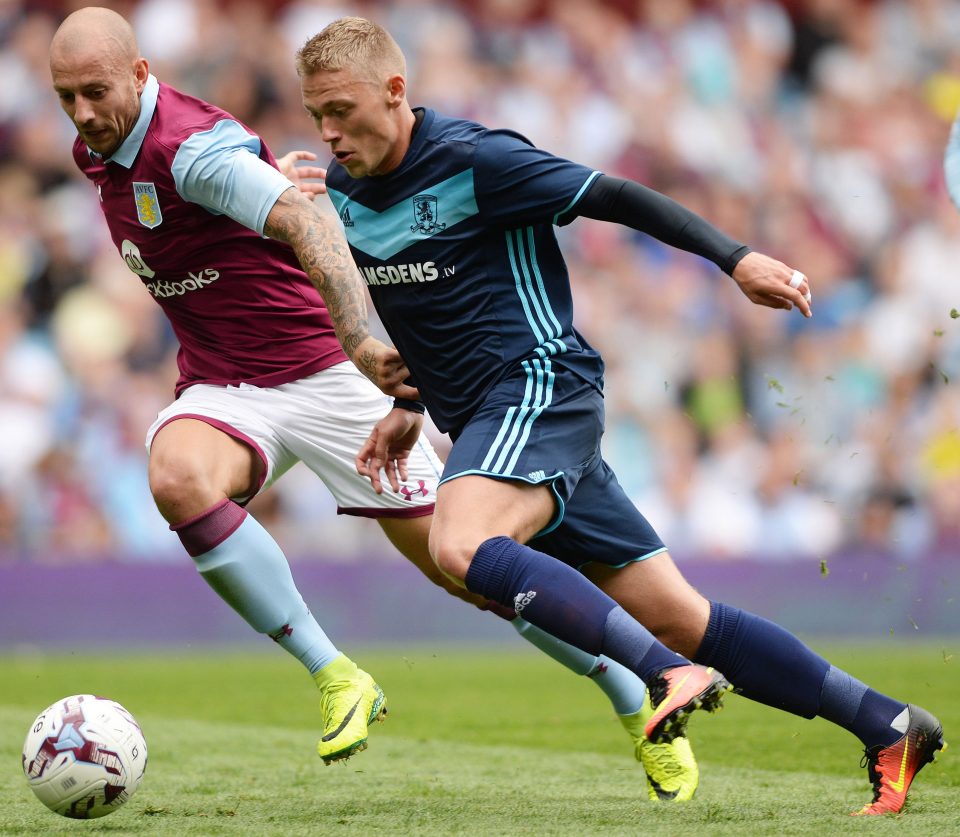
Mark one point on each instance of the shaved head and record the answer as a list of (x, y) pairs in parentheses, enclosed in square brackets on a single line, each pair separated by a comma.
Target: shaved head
[(98, 74), (97, 29)]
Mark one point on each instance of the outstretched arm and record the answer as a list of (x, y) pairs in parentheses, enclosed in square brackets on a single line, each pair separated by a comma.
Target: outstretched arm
[(323, 253), (765, 281)]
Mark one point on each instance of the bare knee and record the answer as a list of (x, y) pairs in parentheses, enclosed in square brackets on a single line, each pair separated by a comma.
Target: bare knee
[(181, 489), (472, 509), (452, 552)]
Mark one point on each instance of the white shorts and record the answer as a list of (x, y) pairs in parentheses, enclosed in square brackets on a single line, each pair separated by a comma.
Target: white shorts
[(322, 421)]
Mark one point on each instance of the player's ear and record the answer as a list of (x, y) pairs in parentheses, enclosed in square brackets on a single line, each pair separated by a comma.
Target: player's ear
[(141, 70), (396, 90)]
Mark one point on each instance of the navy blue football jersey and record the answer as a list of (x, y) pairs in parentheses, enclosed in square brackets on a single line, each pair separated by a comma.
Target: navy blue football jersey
[(459, 254)]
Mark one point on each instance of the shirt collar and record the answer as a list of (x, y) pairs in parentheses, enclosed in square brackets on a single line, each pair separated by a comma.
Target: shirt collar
[(130, 147)]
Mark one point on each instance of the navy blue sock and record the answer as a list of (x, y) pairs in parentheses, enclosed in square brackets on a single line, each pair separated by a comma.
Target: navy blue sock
[(556, 598), (763, 661), (853, 705), (768, 664)]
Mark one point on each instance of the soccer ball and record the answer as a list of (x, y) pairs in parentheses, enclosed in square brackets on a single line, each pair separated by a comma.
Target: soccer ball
[(84, 756)]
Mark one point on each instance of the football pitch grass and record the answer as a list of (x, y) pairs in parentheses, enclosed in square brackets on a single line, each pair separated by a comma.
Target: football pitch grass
[(477, 742)]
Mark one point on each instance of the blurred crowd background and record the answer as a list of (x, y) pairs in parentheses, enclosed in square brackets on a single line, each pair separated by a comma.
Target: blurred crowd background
[(812, 130)]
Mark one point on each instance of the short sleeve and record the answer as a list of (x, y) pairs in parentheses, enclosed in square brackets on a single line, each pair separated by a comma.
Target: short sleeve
[(517, 183), (220, 169)]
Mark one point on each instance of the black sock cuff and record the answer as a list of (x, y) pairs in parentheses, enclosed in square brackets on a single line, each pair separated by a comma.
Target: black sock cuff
[(488, 569)]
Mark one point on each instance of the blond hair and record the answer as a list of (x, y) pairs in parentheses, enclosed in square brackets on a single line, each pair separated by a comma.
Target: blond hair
[(352, 43)]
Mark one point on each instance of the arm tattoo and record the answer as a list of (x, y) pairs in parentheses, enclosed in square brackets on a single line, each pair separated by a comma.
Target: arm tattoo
[(325, 257), (367, 363)]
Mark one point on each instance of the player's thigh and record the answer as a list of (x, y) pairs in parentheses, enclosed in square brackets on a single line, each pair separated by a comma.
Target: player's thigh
[(194, 446), (218, 436), (328, 418), (472, 508), (517, 461)]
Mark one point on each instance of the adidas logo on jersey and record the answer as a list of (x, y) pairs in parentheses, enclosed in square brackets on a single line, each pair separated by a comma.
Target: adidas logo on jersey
[(345, 218)]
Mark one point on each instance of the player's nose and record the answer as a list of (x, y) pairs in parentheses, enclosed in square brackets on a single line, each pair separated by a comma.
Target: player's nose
[(82, 110), (329, 132)]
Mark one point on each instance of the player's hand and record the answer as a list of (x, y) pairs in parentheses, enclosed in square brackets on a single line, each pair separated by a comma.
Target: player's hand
[(299, 175), (766, 281), (388, 448), (383, 365)]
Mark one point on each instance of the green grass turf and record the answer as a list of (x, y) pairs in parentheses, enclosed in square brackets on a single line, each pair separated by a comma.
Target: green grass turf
[(476, 742)]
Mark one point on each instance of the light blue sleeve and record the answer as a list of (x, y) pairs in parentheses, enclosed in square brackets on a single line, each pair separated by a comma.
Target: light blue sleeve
[(951, 163), (220, 169)]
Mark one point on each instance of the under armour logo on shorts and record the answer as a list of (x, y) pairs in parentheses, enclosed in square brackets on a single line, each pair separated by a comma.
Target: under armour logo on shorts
[(408, 493)]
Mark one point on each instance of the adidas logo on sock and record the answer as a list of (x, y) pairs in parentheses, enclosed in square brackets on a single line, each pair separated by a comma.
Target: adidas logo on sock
[(521, 600)]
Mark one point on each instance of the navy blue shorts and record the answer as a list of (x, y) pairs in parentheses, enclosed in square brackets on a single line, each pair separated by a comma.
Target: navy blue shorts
[(542, 425)]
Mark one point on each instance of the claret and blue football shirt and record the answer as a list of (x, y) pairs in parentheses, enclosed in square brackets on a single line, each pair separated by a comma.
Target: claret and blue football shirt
[(185, 197), (459, 255)]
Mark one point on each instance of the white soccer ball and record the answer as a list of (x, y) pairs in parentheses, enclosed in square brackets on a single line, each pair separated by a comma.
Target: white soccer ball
[(84, 756)]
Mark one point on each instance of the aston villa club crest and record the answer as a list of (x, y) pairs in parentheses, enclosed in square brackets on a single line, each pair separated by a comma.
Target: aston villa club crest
[(148, 206), (425, 215)]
